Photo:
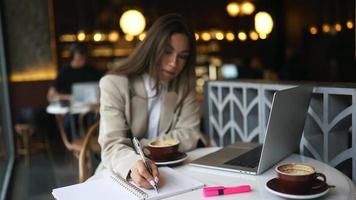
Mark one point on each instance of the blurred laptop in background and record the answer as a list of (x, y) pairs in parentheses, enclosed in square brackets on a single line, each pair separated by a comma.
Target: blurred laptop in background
[(85, 93)]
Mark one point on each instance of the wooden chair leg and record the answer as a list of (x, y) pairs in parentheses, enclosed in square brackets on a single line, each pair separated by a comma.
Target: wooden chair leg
[(27, 147), (24, 133)]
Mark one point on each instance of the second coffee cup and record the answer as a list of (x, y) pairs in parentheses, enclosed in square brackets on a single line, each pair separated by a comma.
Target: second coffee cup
[(162, 150)]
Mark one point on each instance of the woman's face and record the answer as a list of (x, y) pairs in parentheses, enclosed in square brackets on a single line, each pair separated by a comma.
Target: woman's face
[(175, 56)]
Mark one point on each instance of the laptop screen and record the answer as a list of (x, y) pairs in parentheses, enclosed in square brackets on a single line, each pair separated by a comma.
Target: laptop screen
[(229, 71), (85, 92)]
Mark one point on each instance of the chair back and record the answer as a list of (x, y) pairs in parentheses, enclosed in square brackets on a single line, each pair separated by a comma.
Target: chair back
[(86, 167)]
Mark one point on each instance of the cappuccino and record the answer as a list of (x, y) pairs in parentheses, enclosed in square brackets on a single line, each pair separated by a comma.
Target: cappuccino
[(296, 172), (296, 169), (163, 143)]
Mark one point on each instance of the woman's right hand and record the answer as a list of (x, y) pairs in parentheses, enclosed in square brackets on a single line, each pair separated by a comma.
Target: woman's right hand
[(140, 175)]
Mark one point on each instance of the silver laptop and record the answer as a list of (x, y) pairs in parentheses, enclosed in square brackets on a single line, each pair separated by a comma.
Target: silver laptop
[(85, 92), (284, 131)]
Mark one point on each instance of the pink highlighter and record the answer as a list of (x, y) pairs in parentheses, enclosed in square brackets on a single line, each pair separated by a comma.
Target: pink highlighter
[(221, 190)]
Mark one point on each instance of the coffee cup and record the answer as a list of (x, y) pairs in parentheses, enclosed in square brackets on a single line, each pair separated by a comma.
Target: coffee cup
[(299, 178), (160, 150)]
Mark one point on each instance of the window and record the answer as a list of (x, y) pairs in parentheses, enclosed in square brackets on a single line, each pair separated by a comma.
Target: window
[(6, 140)]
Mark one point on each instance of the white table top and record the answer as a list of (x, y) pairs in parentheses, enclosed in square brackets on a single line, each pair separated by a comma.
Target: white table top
[(345, 188), (57, 109)]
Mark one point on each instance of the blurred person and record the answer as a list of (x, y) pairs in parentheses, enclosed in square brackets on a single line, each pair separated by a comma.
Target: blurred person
[(77, 71)]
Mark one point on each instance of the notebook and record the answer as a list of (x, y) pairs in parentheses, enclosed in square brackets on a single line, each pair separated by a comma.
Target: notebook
[(113, 187)]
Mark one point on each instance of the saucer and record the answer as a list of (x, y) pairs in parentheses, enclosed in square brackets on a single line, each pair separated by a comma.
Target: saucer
[(177, 158), (274, 187)]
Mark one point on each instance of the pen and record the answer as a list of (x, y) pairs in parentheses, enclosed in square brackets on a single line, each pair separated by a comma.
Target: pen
[(221, 190), (138, 148)]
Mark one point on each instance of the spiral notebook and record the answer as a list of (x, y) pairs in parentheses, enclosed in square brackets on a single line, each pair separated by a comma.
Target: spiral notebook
[(113, 187)]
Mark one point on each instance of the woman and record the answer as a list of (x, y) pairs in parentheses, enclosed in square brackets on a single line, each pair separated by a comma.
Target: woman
[(151, 95)]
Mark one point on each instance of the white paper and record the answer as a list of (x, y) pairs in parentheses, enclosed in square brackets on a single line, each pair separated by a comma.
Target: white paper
[(171, 183), (104, 188)]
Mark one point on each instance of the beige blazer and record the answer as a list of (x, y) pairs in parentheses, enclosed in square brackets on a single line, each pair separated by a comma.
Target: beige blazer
[(123, 106)]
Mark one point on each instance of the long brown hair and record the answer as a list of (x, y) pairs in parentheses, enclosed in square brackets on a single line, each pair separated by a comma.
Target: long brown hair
[(146, 57)]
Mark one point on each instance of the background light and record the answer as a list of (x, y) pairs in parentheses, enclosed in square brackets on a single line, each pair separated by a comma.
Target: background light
[(81, 36), (263, 23), (313, 30), (205, 36), (242, 36), (129, 38), (253, 35), (68, 38), (230, 36), (349, 24), (326, 28), (142, 36), (196, 36), (113, 36), (219, 36), (233, 9), (247, 8), (132, 22), (262, 36), (338, 27), (98, 37)]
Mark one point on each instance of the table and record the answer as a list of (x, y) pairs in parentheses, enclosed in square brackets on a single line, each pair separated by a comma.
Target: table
[(60, 112), (56, 108), (345, 188)]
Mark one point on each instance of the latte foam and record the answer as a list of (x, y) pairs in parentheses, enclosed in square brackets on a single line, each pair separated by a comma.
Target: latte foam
[(296, 169)]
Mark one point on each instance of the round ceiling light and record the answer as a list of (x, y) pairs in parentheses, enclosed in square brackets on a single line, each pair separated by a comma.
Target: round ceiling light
[(263, 23), (132, 22)]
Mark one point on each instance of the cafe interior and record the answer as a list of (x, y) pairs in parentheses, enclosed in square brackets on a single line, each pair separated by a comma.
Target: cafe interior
[(245, 49)]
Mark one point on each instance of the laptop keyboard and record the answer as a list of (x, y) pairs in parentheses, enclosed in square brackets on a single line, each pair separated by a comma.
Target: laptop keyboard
[(249, 159)]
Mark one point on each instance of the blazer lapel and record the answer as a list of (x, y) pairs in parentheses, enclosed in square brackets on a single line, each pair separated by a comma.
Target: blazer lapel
[(167, 109), (139, 118)]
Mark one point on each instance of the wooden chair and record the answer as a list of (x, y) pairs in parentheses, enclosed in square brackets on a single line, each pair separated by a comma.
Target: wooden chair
[(25, 143), (76, 144), (24, 133), (86, 167)]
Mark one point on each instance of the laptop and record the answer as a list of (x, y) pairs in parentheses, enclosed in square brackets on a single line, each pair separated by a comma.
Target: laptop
[(284, 131), (85, 92)]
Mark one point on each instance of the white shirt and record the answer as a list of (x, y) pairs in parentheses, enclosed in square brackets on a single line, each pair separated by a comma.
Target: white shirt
[(153, 105)]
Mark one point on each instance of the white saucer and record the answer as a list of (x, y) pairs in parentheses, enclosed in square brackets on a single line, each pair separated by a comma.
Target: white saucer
[(294, 196), (171, 162)]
